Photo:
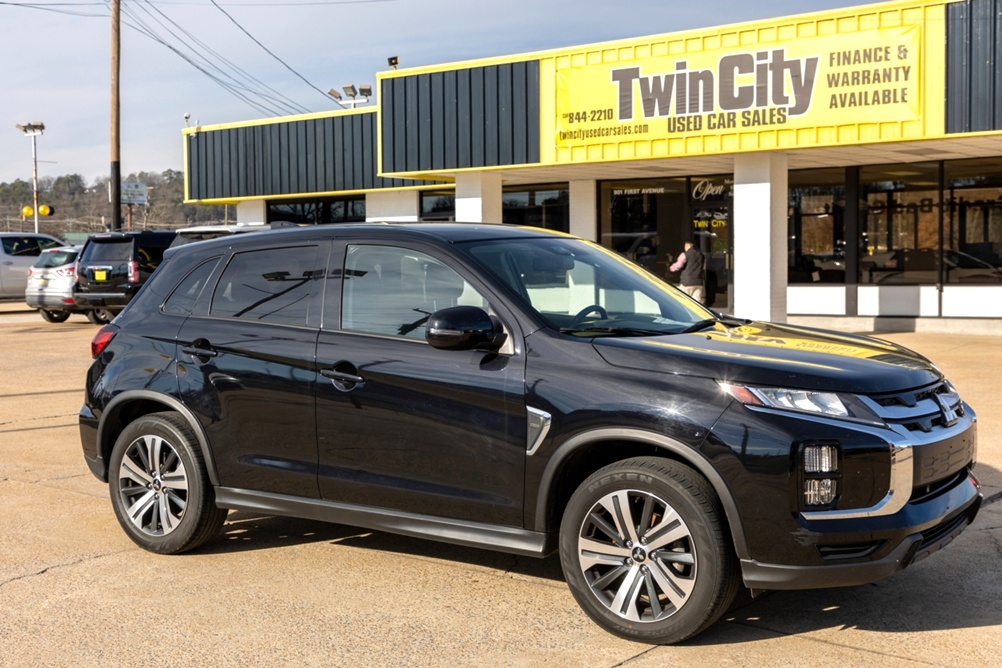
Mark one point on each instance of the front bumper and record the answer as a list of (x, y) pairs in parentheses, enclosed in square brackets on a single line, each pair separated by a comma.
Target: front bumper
[(911, 548), (902, 495)]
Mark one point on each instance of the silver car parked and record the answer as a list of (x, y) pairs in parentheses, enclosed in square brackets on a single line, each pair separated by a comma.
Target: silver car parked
[(51, 283), (18, 251)]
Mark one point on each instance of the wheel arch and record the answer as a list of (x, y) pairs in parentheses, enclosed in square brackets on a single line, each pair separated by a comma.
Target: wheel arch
[(130, 406), (583, 454)]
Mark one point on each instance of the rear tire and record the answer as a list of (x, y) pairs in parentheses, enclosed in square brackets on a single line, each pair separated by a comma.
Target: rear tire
[(159, 486), (100, 316), (54, 316), (645, 552)]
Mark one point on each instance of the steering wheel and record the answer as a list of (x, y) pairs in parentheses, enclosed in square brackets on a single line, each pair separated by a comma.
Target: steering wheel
[(579, 318)]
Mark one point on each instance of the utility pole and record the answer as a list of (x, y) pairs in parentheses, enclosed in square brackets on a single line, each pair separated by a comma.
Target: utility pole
[(116, 165), (33, 130)]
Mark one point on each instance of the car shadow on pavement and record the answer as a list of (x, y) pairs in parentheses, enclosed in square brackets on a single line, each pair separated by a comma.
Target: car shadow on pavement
[(251, 531), (955, 588)]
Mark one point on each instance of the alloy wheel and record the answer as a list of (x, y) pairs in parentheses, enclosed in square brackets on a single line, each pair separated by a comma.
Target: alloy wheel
[(153, 485), (637, 555)]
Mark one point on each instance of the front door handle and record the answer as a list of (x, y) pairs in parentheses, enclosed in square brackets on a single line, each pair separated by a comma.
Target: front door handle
[(338, 375), (344, 376)]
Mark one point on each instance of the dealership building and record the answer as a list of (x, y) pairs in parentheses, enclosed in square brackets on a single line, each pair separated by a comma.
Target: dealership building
[(835, 168)]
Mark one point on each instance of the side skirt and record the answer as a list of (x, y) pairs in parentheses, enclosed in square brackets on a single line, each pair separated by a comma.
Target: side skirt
[(471, 534)]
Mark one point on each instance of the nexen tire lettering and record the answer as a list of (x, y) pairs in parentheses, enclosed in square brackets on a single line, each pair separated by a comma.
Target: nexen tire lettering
[(619, 477)]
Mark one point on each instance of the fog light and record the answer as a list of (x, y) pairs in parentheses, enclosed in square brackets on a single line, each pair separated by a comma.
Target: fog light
[(820, 459), (820, 466), (819, 492)]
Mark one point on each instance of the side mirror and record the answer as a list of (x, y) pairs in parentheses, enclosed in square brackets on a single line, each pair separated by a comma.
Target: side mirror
[(464, 328)]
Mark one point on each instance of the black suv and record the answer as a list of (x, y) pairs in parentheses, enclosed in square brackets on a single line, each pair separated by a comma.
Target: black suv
[(113, 266), (525, 391)]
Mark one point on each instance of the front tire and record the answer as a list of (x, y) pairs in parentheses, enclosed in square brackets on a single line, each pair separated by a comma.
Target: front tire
[(645, 553), (54, 316), (159, 486)]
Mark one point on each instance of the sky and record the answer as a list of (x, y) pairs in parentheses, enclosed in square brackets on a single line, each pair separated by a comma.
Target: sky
[(277, 58)]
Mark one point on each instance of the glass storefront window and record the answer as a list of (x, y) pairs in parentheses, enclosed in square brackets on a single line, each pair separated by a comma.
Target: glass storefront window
[(539, 206), (648, 221), (816, 249), (973, 225), (438, 205), (545, 206), (318, 211), (899, 224)]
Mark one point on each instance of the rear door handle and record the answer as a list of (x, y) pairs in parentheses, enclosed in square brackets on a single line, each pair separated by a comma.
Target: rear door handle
[(199, 351)]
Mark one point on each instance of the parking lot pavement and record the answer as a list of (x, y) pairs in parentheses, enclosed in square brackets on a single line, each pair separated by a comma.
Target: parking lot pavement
[(270, 591)]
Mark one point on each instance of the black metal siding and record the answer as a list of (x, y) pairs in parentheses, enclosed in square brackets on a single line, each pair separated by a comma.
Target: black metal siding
[(974, 66), (474, 117), (298, 157)]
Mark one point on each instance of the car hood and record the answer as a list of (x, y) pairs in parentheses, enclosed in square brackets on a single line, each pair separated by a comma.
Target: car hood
[(777, 355)]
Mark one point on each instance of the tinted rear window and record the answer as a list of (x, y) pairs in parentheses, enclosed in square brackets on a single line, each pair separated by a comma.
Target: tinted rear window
[(119, 250)]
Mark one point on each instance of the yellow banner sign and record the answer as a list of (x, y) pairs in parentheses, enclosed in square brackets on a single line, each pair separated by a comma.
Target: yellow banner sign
[(870, 76)]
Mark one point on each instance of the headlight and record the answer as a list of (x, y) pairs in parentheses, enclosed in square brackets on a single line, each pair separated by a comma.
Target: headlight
[(829, 404)]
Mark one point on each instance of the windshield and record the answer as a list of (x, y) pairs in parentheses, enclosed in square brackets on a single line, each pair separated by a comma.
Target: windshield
[(581, 288)]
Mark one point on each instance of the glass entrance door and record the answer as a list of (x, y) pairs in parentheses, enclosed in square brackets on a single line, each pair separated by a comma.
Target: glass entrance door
[(711, 203), (711, 229)]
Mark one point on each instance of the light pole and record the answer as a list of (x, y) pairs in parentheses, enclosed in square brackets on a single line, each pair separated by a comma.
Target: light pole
[(33, 130)]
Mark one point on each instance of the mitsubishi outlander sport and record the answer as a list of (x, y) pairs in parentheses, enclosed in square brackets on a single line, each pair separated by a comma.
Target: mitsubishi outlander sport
[(526, 391)]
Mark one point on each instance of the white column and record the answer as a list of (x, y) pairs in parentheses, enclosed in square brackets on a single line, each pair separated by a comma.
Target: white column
[(760, 231), (252, 211), (393, 205), (584, 209), (478, 197)]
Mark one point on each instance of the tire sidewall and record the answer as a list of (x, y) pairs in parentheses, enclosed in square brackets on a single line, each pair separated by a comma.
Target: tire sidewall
[(100, 316), (700, 610), (54, 316), (179, 539)]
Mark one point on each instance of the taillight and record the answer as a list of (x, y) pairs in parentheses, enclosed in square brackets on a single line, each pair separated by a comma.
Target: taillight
[(65, 271), (101, 340), (133, 272)]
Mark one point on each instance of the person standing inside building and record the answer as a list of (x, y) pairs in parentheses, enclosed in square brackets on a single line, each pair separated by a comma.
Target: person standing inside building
[(690, 263)]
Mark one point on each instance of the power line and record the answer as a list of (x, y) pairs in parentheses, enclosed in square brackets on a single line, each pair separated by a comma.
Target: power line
[(260, 107), (229, 76), (51, 7), (255, 40), (244, 80)]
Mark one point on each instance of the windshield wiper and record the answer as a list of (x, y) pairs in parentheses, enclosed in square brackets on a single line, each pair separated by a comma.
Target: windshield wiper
[(615, 331), (725, 320), (702, 324)]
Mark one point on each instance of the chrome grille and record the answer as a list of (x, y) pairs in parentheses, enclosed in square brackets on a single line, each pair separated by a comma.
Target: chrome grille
[(923, 409)]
